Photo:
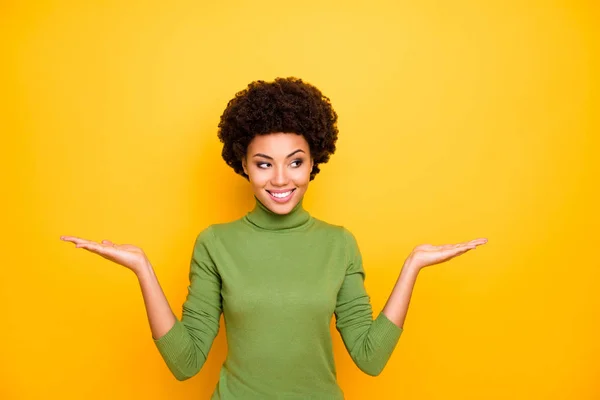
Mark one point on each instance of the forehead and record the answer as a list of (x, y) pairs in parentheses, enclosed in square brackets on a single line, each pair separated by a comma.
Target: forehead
[(277, 143)]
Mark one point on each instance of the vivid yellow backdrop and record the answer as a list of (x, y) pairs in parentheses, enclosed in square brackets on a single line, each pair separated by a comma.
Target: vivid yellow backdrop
[(458, 119)]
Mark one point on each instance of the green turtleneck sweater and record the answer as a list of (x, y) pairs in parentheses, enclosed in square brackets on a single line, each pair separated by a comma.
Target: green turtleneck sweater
[(278, 280)]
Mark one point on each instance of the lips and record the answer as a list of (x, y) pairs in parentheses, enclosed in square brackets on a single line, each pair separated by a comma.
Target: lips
[(281, 190), (273, 194)]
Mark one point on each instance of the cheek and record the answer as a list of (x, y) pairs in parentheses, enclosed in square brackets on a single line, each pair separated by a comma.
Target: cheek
[(257, 176), (302, 177)]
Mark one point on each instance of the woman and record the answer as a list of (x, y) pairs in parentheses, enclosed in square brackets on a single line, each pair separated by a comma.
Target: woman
[(277, 274)]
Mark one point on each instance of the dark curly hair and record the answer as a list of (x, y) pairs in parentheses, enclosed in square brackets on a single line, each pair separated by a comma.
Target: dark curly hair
[(286, 105)]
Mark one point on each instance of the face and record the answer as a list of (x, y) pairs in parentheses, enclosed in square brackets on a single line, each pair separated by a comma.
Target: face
[(278, 166)]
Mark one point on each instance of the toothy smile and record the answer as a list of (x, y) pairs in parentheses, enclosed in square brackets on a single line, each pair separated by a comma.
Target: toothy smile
[(281, 195)]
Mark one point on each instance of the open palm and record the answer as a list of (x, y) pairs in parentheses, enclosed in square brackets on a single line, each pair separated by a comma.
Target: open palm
[(127, 255), (427, 254)]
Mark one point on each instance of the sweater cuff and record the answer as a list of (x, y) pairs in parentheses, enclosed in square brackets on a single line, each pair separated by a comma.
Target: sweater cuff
[(169, 345), (386, 332)]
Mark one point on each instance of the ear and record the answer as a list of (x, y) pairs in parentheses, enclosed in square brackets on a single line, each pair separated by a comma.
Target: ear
[(244, 165)]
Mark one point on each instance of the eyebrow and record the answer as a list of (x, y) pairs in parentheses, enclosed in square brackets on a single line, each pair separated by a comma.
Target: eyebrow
[(270, 158)]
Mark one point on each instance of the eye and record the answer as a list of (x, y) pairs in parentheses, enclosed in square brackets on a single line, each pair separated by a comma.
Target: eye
[(264, 165)]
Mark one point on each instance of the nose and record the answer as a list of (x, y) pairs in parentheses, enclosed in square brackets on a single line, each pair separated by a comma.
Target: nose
[(279, 177)]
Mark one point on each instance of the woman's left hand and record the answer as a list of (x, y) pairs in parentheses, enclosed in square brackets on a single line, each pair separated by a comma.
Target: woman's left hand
[(427, 254)]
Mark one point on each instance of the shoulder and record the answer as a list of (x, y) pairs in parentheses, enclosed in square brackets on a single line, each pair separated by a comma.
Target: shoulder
[(341, 238), (339, 231), (220, 230), (205, 236)]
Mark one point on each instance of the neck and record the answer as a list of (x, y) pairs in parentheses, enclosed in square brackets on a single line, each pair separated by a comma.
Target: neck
[(262, 217)]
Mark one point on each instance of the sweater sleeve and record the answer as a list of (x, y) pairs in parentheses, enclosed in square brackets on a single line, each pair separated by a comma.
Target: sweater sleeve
[(369, 342), (185, 346)]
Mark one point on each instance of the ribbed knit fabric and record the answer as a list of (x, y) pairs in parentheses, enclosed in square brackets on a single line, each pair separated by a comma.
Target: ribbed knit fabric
[(279, 280)]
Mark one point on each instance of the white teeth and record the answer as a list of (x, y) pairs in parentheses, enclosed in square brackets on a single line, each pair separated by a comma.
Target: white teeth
[(281, 195)]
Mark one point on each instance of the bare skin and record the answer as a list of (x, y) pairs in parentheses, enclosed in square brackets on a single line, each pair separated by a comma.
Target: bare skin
[(160, 315), (162, 319), (273, 161), (422, 256)]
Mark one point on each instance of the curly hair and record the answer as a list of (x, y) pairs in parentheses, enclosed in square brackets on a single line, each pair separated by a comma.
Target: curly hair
[(286, 105)]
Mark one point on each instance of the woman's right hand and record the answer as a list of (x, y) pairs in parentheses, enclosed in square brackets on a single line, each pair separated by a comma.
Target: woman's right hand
[(127, 255)]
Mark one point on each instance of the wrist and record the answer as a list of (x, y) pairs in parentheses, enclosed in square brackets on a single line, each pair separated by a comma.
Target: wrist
[(144, 271), (411, 266)]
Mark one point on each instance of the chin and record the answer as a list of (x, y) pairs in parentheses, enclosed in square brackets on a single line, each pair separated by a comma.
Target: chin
[(280, 208)]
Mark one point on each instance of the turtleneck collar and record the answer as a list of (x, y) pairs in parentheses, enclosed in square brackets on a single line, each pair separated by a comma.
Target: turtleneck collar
[(264, 218)]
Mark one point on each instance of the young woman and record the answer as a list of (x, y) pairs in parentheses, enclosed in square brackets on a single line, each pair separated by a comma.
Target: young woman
[(277, 274)]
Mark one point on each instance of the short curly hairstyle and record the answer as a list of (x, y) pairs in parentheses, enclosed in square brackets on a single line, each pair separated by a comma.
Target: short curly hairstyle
[(286, 105)]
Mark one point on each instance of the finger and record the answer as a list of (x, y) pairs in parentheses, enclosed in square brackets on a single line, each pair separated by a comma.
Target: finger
[(467, 248), (474, 244), (459, 250), (448, 246), (471, 243), (460, 245), (101, 249), (75, 239), (90, 246), (454, 246), (108, 242), (479, 241)]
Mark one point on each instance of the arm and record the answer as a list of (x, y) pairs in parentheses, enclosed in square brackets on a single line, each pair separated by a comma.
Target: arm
[(184, 345), (421, 256), (369, 342), (397, 305), (160, 315)]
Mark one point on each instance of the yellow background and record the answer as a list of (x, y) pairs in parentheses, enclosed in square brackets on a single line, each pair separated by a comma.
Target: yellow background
[(458, 119)]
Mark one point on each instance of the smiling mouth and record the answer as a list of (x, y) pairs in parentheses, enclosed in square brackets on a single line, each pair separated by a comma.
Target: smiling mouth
[(281, 195)]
